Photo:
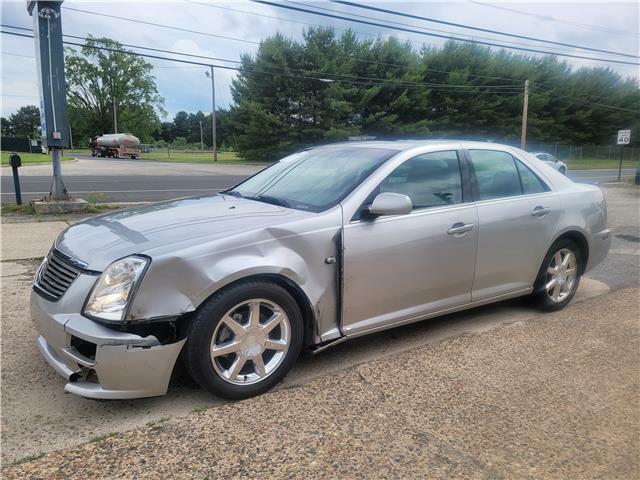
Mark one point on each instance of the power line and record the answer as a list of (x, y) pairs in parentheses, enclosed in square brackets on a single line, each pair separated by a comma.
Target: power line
[(364, 60), (325, 74), (17, 55), (478, 42), (136, 46), (357, 81), (504, 90), (159, 25), (478, 29), (554, 19), (367, 34), (585, 101), (456, 35)]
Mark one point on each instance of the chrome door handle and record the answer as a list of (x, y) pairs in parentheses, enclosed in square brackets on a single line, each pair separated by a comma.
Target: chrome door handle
[(540, 211), (459, 227)]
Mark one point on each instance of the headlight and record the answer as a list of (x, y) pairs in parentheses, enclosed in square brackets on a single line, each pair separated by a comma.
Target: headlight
[(110, 296)]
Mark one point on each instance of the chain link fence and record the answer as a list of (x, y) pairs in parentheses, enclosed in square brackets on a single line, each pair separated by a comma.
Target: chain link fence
[(591, 156)]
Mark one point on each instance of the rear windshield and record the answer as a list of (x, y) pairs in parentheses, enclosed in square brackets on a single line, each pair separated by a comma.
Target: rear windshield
[(313, 180)]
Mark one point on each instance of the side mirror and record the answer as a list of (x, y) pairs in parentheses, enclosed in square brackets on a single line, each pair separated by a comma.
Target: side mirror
[(389, 203)]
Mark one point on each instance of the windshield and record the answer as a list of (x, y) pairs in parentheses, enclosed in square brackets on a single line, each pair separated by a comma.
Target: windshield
[(314, 179)]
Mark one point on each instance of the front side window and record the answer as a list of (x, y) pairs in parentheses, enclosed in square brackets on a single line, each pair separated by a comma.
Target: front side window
[(313, 180), (429, 180), (496, 174)]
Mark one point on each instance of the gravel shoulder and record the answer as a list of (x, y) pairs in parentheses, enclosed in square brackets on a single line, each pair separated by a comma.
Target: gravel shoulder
[(551, 397)]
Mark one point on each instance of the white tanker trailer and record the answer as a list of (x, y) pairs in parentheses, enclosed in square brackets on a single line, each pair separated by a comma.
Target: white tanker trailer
[(115, 145)]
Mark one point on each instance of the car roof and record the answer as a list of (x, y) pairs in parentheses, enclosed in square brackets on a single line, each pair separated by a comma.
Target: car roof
[(401, 145)]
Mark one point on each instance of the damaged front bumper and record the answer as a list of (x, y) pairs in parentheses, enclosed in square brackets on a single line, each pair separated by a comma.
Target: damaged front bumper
[(99, 362)]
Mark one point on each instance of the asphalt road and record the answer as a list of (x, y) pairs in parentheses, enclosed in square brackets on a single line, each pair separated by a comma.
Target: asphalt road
[(135, 181), (115, 188)]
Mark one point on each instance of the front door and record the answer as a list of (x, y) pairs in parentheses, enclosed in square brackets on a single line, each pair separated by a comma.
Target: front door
[(399, 268)]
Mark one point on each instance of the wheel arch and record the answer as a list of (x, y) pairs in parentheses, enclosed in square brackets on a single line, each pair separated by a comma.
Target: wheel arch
[(298, 294), (580, 239)]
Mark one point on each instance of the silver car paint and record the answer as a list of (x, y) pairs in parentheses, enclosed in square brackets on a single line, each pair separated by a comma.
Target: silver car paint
[(200, 244)]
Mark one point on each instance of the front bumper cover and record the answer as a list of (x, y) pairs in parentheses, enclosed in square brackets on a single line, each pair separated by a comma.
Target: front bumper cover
[(126, 365)]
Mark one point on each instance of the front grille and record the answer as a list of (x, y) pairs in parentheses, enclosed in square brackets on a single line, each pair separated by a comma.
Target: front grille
[(56, 275)]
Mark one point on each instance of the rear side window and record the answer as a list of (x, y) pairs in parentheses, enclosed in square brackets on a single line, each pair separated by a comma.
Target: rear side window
[(496, 174), (429, 180), (530, 181)]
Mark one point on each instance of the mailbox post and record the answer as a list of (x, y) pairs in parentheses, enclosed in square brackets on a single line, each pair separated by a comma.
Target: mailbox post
[(16, 162)]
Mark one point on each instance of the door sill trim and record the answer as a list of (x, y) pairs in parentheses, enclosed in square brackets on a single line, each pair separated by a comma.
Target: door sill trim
[(466, 306)]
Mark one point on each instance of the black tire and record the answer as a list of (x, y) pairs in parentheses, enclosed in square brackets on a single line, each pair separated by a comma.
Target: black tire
[(197, 349), (540, 296)]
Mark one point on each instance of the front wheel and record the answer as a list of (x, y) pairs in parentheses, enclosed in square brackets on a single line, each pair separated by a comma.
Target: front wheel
[(559, 276), (244, 339)]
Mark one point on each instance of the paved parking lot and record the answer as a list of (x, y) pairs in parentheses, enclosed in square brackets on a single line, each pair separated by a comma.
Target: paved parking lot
[(496, 392)]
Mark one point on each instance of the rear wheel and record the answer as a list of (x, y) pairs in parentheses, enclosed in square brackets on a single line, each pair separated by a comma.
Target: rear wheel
[(559, 276), (244, 339)]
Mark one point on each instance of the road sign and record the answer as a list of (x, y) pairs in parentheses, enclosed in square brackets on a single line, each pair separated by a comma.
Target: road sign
[(624, 137)]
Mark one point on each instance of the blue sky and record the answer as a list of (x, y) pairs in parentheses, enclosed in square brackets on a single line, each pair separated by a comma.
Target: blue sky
[(607, 25)]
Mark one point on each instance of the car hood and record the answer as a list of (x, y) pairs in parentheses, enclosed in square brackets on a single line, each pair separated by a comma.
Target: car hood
[(167, 226)]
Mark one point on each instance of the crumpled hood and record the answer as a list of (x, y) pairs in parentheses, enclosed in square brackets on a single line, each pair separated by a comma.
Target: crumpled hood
[(169, 225)]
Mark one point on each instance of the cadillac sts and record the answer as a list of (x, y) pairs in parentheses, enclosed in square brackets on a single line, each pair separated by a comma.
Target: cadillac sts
[(327, 244)]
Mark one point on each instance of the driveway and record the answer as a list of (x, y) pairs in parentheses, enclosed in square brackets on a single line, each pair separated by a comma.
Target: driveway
[(38, 417), (550, 397)]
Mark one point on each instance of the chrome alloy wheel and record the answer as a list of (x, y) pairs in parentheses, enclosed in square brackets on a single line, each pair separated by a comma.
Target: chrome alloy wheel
[(561, 275), (250, 342)]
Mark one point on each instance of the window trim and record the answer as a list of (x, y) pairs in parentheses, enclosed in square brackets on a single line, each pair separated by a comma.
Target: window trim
[(465, 184), (474, 179)]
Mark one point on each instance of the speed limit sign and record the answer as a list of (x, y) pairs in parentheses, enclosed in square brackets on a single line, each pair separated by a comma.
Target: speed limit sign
[(624, 137)]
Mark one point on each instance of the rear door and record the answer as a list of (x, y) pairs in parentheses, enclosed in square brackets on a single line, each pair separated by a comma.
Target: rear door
[(398, 268), (517, 215)]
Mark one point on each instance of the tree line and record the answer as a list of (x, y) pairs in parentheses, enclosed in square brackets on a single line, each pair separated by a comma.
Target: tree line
[(292, 94), (274, 114)]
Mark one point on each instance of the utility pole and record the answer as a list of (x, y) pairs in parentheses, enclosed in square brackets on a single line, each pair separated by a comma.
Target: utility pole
[(213, 112), (47, 28), (115, 115), (525, 111), (201, 140)]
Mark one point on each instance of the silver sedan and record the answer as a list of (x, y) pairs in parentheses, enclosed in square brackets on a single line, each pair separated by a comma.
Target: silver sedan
[(552, 161), (328, 244)]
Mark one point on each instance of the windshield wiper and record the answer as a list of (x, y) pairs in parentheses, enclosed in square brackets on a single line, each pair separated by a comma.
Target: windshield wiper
[(232, 193), (272, 200)]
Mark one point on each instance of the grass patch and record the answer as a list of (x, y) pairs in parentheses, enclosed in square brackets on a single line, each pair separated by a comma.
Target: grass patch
[(12, 208), (28, 458), (100, 438), (153, 423), (31, 158), (596, 163), (193, 157), (200, 409)]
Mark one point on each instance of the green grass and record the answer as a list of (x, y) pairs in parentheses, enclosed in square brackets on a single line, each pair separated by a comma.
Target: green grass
[(100, 438), (594, 163), (154, 423), (192, 157), (31, 158), (12, 208), (28, 458)]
